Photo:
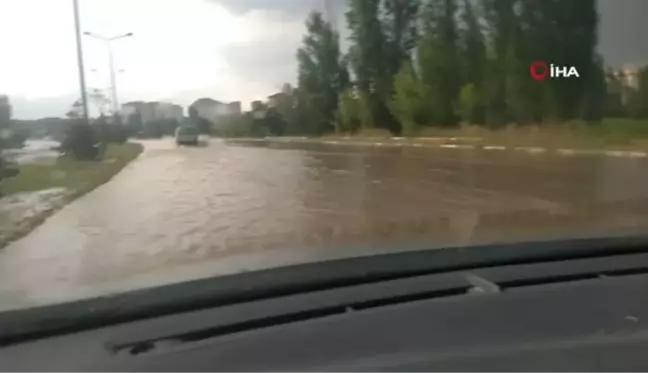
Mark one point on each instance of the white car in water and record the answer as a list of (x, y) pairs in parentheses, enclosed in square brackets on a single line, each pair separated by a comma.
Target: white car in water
[(186, 135)]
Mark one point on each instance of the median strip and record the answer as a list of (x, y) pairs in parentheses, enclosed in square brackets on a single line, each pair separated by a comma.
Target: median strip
[(73, 178)]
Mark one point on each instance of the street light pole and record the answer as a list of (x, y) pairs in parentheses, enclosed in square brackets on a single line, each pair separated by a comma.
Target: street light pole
[(111, 61), (82, 82), (113, 80)]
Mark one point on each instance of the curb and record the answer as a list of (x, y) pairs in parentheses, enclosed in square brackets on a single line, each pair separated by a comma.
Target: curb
[(401, 142)]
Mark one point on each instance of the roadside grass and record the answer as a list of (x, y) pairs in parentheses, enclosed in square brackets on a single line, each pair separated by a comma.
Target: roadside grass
[(618, 133), (77, 177), (610, 133)]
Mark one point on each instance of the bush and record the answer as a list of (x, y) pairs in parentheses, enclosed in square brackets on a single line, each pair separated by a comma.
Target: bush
[(134, 124), (7, 169), (243, 126), (412, 101), (82, 141), (113, 133), (348, 115), (468, 106), (204, 126)]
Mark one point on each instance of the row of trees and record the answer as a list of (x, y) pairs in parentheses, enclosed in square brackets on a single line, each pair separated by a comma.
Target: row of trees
[(10, 135), (417, 63), (9, 138)]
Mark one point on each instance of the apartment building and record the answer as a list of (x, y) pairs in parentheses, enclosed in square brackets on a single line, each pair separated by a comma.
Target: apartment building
[(154, 110), (217, 112)]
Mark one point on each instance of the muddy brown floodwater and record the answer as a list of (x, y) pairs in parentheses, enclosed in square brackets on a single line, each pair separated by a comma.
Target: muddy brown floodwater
[(177, 214)]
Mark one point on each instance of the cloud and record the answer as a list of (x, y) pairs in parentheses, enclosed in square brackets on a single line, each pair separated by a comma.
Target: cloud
[(33, 108), (186, 49), (622, 31), (181, 50), (291, 8)]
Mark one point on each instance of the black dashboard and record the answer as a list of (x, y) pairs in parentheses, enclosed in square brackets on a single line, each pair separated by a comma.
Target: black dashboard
[(585, 313)]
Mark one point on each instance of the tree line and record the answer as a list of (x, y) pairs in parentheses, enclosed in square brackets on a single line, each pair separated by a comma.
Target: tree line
[(9, 138), (413, 64)]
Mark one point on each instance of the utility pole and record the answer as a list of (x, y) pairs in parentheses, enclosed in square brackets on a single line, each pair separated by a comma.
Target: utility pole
[(113, 80), (82, 82), (111, 61)]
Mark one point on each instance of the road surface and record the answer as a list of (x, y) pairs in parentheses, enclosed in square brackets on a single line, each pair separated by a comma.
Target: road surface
[(181, 213)]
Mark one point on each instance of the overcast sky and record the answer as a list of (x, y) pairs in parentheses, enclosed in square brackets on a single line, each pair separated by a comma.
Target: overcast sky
[(186, 49)]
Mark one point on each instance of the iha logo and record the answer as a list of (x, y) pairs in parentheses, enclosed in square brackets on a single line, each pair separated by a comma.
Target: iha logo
[(540, 70)]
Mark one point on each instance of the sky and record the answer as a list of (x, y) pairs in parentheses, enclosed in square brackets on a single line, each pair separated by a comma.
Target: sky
[(182, 50)]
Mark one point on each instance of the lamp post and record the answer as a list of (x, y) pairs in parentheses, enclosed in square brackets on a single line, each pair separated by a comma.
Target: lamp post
[(82, 82), (113, 80)]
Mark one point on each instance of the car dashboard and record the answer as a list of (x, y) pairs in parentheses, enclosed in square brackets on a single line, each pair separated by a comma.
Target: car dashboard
[(587, 313)]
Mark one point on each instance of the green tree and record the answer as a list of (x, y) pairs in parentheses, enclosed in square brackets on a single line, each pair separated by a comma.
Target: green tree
[(410, 102), (11, 136), (454, 60), (400, 25), (469, 103), (7, 169), (438, 56), (76, 110), (82, 140), (503, 33), (99, 99), (274, 122), (134, 124), (472, 51), (322, 75), (5, 112), (594, 99), (367, 49), (370, 62), (348, 117), (560, 32), (203, 125)]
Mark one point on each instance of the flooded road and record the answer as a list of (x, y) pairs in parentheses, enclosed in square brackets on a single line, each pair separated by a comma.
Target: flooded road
[(182, 213), (34, 151)]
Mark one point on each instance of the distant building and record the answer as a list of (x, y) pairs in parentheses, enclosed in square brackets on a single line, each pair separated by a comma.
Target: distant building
[(151, 111), (258, 109), (630, 76), (277, 99), (234, 108), (217, 112), (130, 108), (166, 110), (624, 81)]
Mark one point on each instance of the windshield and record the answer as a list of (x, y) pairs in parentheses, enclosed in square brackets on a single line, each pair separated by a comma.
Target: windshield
[(329, 129)]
